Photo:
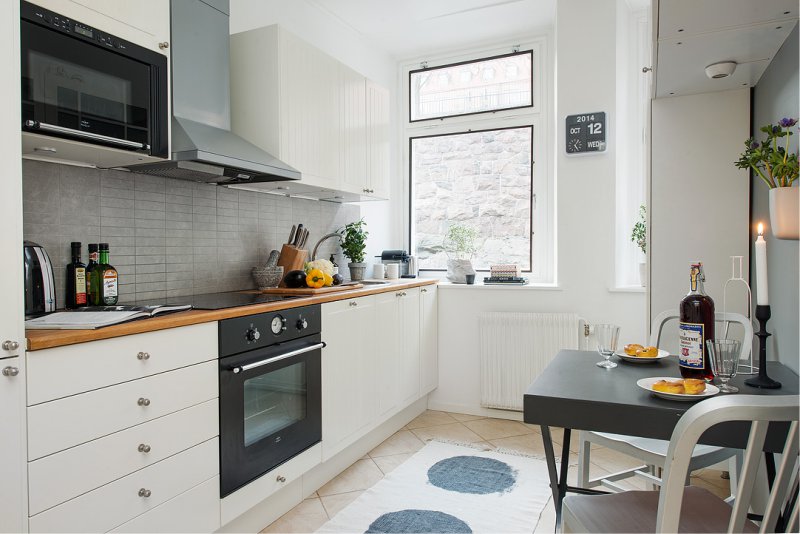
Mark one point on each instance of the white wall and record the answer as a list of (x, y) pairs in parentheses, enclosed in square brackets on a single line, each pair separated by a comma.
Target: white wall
[(586, 81), (331, 35), (700, 201)]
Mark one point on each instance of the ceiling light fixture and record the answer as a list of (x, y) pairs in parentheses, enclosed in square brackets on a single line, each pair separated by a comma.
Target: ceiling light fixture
[(723, 69)]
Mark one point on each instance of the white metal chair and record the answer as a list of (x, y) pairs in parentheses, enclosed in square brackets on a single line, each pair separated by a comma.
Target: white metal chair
[(652, 452), (691, 509)]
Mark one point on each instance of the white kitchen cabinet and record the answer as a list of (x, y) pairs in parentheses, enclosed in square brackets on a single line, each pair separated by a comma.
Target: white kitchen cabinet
[(378, 140), (13, 501), (387, 352), (313, 112), (349, 367), (428, 340), (409, 333)]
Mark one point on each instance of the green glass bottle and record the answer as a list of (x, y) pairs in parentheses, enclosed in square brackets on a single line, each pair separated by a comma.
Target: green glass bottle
[(104, 281)]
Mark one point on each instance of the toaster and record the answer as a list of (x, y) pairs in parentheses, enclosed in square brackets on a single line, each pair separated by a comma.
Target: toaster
[(40, 287)]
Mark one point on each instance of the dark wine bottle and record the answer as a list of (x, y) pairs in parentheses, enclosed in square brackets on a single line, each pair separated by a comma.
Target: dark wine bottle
[(108, 279), (76, 280), (91, 266), (696, 327)]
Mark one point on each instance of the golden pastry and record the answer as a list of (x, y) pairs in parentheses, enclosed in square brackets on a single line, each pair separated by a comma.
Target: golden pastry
[(647, 352), (631, 349), (694, 386), (666, 386)]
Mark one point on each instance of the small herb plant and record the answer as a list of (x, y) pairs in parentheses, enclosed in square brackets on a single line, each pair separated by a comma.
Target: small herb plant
[(639, 232), (459, 242), (354, 240), (773, 163)]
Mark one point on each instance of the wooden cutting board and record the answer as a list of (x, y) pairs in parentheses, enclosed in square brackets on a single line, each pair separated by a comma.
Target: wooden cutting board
[(308, 290)]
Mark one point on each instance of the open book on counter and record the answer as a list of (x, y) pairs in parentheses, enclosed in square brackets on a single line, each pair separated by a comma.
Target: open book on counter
[(92, 317)]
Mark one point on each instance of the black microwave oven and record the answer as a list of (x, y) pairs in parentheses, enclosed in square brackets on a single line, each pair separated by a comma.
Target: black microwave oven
[(83, 84)]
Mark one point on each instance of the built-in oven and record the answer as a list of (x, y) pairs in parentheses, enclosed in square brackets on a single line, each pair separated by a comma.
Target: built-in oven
[(81, 83), (270, 380)]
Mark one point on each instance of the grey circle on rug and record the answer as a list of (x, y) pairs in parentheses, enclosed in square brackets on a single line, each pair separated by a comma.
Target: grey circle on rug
[(472, 474), (407, 521)]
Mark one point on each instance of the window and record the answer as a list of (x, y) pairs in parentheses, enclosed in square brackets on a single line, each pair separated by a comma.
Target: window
[(481, 180), (484, 162), (485, 85)]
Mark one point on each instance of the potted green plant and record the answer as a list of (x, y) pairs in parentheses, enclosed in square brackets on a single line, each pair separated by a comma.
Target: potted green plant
[(639, 236), (778, 168), (459, 244), (354, 242)]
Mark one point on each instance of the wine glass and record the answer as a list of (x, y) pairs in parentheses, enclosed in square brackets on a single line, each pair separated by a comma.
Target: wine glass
[(724, 356), (607, 336)]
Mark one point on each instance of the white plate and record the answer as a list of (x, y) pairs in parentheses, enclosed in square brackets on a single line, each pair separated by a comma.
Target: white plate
[(635, 359), (647, 384)]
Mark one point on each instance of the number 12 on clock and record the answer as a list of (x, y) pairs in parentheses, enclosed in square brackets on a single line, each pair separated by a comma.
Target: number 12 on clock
[(586, 133)]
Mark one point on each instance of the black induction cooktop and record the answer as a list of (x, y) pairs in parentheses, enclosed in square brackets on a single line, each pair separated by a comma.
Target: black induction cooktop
[(218, 301)]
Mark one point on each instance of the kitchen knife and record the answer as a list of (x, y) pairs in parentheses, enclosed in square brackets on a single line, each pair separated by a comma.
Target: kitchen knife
[(304, 238), (299, 233), (291, 235)]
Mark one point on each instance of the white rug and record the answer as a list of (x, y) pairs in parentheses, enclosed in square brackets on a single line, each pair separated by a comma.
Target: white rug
[(451, 488)]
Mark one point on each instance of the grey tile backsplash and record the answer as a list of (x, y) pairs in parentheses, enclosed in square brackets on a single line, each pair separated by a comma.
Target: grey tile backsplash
[(167, 237)]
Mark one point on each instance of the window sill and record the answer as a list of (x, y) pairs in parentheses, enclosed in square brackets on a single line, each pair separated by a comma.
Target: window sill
[(627, 289)]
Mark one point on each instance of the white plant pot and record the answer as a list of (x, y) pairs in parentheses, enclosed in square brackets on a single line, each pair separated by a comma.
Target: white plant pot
[(457, 271), (643, 273), (784, 212)]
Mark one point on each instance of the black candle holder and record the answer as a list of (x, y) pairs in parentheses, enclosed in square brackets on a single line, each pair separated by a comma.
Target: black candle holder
[(763, 313)]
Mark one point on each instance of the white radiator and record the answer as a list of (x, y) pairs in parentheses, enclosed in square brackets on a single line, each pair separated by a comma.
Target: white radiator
[(516, 347)]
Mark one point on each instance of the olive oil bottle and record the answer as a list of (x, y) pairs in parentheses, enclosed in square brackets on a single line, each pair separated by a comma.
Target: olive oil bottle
[(104, 281), (76, 280), (91, 266)]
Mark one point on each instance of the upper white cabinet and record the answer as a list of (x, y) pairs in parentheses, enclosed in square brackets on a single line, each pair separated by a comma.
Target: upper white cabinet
[(311, 111)]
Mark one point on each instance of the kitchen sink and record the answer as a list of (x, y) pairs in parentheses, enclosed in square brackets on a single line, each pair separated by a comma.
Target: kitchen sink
[(371, 282)]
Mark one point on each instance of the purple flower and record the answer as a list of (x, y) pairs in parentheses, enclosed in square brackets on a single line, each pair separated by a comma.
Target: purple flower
[(754, 145), (776, 129), (787, 122)]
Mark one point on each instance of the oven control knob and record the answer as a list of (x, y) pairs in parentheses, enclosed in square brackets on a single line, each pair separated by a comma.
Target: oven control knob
[(302, 324), (253, 334)]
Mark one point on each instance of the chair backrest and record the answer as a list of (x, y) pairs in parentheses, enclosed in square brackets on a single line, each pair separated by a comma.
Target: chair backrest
[(725, 319), (760, 410)]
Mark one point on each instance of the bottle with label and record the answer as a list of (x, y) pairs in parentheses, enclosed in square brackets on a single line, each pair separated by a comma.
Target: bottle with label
[(107, 279), (76, 280), (335, 265), (696, 327), (91, 266)]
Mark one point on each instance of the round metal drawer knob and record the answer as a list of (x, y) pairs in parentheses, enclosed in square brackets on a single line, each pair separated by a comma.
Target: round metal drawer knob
[(10, 371), (144, 448), (144, 493), (353, 304), (143, 402), (281, 479), (10, 345), (143, 356)]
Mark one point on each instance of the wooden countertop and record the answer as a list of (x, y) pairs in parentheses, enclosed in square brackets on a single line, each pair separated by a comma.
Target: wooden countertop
[(46, 339)]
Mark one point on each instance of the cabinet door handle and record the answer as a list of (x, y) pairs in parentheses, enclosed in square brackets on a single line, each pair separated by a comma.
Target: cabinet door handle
[(353, 303), (10, 345), (143, 402), (143, 356), (163, 45), (144, 493), (10, 371), (144, 448), (281, 479), (423, 290)]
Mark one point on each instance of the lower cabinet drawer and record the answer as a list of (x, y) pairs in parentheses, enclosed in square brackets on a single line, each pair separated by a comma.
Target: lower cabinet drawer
[(57, 425), (120, 501), (197, 510), (59, 477), (259, 489)]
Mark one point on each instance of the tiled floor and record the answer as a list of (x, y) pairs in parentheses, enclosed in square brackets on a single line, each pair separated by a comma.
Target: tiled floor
[(312, 513)]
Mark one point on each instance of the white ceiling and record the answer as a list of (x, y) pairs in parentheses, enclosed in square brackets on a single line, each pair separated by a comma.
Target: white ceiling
[(410, 28), (693, 34)]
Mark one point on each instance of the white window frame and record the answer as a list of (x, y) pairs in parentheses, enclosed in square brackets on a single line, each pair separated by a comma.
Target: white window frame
[(538, 116)]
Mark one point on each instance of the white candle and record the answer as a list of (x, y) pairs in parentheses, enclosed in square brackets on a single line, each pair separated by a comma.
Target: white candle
[(762, 288)]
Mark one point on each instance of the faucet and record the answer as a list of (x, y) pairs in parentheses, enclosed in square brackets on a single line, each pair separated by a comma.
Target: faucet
[(324, 238)]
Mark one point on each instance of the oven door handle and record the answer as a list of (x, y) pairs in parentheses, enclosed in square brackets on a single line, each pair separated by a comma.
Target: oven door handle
[(124, 143), (239, 369)]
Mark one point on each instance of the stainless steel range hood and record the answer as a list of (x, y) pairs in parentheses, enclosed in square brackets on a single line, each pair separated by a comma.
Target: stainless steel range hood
[(203, 147)]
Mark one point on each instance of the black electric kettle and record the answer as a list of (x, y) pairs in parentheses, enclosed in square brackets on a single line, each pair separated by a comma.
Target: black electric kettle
[(40, 286)]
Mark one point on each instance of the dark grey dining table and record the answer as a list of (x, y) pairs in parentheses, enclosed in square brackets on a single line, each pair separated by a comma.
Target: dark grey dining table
[(574, 394)]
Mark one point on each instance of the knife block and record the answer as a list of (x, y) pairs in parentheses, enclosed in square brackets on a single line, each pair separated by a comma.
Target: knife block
[(291, 259)]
